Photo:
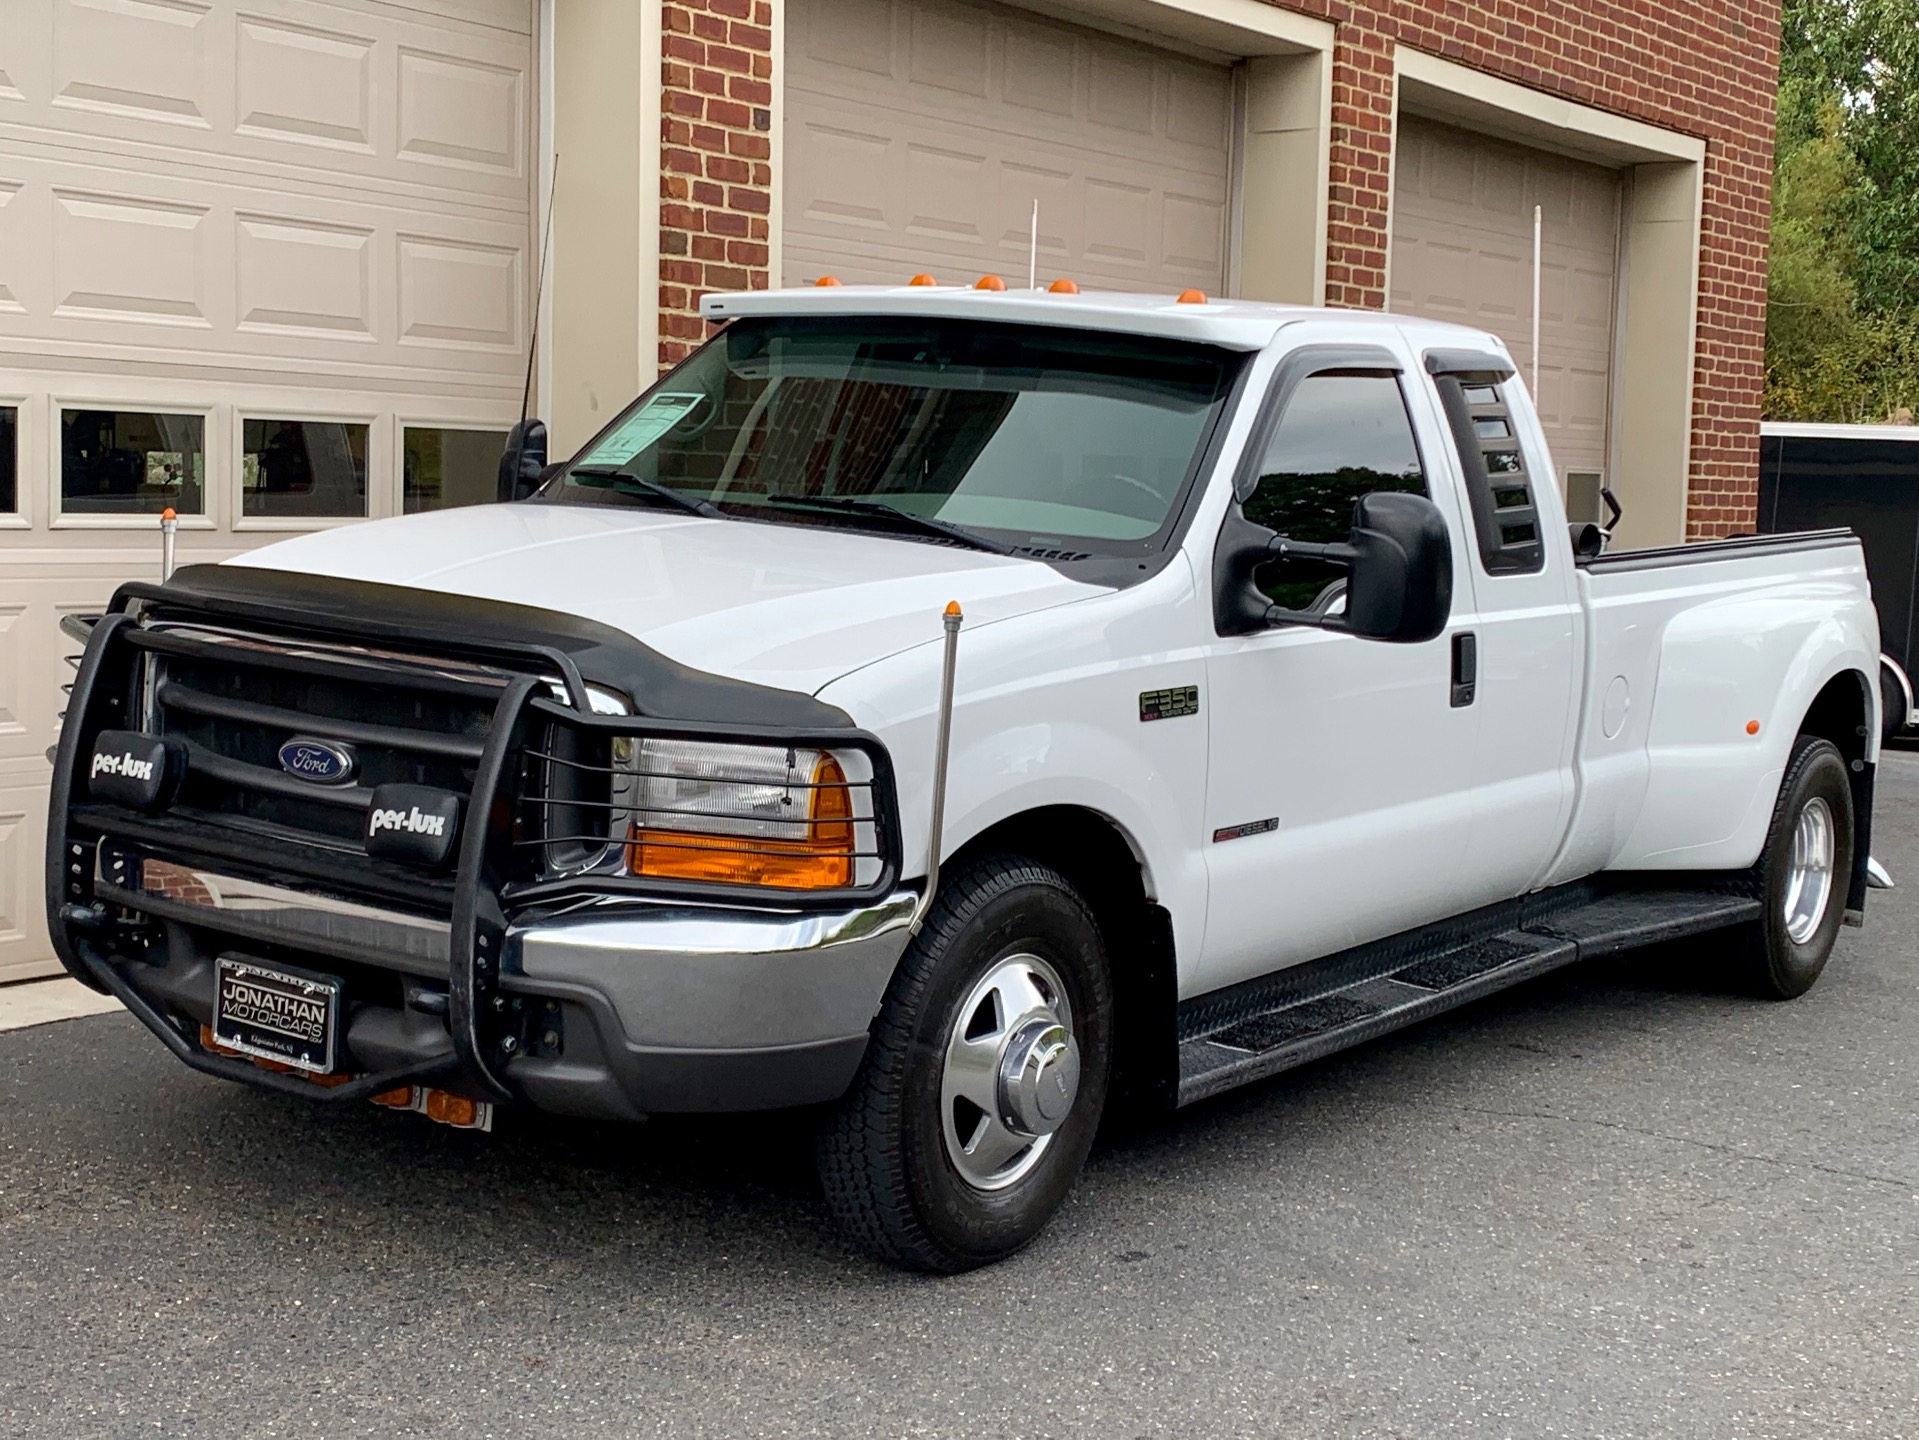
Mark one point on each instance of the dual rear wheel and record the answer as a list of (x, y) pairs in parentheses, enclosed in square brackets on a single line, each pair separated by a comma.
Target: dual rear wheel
[(1803, 873)]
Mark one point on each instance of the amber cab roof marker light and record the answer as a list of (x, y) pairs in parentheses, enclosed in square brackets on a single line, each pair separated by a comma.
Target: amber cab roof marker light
[(990, 282), (826, 281), (922, 279), (1191, 297), (1062, 287)]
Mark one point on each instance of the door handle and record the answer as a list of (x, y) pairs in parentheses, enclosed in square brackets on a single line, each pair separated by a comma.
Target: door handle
[(1465, 667)]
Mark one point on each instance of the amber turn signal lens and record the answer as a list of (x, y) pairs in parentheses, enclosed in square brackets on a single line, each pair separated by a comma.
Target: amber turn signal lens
[(400, 1099), (450, 1109), (822, 861)]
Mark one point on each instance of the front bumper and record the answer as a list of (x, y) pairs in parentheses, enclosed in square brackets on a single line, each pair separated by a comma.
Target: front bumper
[(626, 1010), (596, 996), (687, 1009)]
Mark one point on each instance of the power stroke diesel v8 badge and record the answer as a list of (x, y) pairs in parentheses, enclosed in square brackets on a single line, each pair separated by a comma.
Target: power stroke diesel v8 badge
[(414, 824)]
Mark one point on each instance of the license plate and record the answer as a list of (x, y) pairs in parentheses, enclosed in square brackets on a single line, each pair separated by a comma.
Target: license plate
[(286, 1015)]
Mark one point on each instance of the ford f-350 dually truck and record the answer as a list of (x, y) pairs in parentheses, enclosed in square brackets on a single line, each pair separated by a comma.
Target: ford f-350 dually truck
[(962, 712)]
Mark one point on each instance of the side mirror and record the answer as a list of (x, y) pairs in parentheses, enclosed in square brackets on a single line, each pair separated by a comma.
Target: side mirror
[(522, 460), (1398, 562)]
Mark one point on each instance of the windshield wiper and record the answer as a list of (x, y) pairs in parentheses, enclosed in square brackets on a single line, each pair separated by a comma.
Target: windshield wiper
[(613, 478), (925, 524)]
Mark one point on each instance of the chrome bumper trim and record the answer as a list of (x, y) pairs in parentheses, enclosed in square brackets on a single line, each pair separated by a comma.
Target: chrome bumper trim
[(405, 942), (694, 978)]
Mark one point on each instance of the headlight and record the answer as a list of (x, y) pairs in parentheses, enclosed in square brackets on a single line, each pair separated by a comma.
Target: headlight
[(738, 814)]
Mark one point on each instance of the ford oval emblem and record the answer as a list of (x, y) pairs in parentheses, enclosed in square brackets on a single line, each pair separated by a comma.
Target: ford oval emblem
[(325, 761)]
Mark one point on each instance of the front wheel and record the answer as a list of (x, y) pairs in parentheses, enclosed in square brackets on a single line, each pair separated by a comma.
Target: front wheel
[(1803, 874), (984, 1080)]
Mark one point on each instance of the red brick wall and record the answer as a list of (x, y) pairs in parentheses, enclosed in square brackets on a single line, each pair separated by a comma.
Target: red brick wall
[(716, 173), (1707, 71)]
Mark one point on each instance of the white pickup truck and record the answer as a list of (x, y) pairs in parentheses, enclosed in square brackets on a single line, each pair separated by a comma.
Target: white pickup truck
[(964, 711)]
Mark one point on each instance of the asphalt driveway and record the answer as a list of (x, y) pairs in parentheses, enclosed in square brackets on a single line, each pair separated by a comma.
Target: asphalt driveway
[(1616, 1202)]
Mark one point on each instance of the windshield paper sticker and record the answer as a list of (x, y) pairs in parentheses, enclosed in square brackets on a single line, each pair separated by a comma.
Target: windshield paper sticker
[(643, 427)]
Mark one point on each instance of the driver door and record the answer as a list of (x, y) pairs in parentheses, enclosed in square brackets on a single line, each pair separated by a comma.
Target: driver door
[(1338, 795)]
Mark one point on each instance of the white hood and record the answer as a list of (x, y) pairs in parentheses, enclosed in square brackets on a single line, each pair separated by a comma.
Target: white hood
[(785, 605)]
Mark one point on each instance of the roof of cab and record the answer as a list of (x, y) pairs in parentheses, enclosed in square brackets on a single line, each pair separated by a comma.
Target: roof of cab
[(1236, 324)]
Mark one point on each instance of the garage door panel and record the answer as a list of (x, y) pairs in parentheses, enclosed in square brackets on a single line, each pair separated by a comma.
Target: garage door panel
[(192, 265), (298, 90), (1463, 248), (1041, 69), (302, 278), (949, 50), (300, 210), (1199, 109), (1193, 232), (303, 86), (1123, 146)]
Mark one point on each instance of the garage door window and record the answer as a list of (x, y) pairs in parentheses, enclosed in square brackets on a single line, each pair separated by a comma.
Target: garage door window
[(446, 468), (303, 469), (9, 460), (132, 462)]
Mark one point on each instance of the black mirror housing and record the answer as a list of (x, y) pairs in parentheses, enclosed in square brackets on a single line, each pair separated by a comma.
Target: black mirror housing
[(523, 460), (1398, 560), (1400, 585)]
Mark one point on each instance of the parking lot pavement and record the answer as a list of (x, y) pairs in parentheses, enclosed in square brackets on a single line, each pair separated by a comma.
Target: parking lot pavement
[(1613, 1203)]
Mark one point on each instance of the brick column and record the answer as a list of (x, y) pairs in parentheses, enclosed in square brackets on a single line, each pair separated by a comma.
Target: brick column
[(716, 173), (1357, 232)]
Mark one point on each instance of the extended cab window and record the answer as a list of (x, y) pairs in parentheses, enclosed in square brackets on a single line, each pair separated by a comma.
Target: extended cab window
[(1343, 434), (1031, 436)]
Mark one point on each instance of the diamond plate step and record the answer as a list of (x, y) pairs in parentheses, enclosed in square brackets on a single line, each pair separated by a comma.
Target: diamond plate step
[(1314, 1010)]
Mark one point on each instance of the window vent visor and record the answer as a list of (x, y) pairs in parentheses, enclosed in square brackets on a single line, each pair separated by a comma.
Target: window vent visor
[(1498, 484)]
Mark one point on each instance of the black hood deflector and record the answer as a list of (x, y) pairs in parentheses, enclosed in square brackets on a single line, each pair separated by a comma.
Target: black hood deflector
[(524, 637)]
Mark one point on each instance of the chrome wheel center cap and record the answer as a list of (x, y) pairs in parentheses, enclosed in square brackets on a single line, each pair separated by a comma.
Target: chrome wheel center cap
[(1038, 1076)]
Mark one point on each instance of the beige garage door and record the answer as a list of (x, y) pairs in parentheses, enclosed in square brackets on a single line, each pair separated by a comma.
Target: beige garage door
[(1463, 247), (919, 133), (262, 261)]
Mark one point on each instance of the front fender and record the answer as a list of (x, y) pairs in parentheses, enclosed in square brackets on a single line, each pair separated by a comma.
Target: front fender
[(1048, 713), (1725, 667)]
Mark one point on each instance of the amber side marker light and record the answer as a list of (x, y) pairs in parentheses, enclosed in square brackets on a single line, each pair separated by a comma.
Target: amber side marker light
[(1752, 727), (1191, 297), (922, 279), (822, 861), (1062, 287)]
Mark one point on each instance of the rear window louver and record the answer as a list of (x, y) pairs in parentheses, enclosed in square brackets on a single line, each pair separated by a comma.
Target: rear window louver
[(1498, 483)]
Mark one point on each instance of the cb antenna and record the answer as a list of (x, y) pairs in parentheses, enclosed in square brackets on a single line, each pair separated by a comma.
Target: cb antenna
[(1032, 253), (539, 289)]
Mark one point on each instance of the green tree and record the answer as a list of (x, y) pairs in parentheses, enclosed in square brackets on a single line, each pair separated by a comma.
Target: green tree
[(1842, 315)]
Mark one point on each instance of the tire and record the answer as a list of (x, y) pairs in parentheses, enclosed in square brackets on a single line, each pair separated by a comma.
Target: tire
[(1780, 955), (1002, 933), (1892, 704)]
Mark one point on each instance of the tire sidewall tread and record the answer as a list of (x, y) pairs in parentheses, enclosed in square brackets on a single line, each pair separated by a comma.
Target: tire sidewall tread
[(881, 1153)]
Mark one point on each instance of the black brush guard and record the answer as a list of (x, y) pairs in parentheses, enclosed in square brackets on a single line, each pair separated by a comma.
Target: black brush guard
[(491, 883)]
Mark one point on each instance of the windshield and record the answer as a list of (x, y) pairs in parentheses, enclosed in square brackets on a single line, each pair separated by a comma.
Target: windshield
[(1027, 436)]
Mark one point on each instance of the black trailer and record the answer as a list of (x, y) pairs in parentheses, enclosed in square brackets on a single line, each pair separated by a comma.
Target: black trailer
[(1865, 477)]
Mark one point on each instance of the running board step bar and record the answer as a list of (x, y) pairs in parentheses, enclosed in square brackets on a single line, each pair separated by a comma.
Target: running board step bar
[(1300, 1015)]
